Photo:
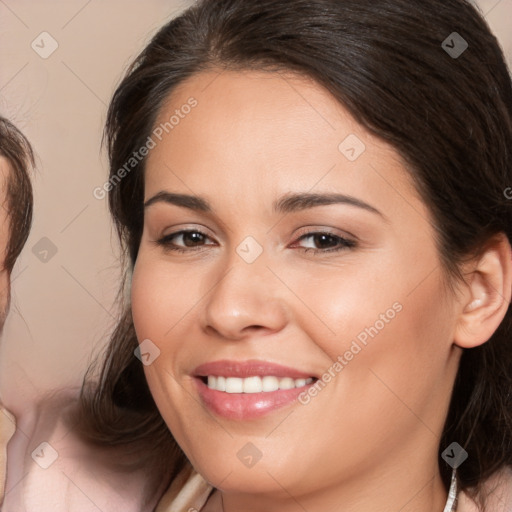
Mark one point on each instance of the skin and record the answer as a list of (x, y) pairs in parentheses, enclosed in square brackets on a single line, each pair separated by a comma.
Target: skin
[(369, 439), (4, 238)]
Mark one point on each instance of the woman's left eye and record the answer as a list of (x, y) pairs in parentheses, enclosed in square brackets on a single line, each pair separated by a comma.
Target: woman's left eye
[(337, 243), (195, 237)]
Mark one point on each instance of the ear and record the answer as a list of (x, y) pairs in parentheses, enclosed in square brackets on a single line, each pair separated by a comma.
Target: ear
[(486, 297)]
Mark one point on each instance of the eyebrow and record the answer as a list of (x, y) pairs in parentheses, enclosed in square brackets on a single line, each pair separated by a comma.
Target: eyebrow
[(292, 202)]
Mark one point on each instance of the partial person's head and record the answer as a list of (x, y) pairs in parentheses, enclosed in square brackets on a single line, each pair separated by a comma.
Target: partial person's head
[(16, 159), (406, 328)]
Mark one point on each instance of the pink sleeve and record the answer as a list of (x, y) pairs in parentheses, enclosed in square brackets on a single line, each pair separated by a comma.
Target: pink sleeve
[(7, 428), (50, 470)]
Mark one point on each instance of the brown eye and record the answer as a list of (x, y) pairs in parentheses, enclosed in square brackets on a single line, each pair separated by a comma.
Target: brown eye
[(189, 240), (334, 242)]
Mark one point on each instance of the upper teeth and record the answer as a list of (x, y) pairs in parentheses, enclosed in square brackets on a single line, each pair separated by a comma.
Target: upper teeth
[(254, 384)]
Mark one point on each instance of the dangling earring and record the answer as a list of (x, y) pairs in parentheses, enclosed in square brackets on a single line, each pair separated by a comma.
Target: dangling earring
[(451, 503)]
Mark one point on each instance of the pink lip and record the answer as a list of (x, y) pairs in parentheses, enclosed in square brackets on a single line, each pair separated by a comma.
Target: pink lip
[(246, 406), (251, 368)]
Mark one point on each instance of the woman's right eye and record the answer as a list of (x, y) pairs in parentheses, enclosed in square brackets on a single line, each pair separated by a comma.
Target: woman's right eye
[(194, 236)]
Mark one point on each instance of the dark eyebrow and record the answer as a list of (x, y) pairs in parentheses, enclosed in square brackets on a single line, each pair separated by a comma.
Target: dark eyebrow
[(183, 200), (289, 203), (297, 202)]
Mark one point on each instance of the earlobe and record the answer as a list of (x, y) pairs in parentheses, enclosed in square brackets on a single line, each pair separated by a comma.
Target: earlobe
[(487, 296)]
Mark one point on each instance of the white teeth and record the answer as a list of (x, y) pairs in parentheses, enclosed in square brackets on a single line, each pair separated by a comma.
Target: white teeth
[(255, 384), (286, 383), (270, 383), (234, 385), (221, 384)]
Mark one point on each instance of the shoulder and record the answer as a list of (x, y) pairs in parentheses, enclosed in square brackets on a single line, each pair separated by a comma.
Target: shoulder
[(49, 468), (497, 489), (7, 429)]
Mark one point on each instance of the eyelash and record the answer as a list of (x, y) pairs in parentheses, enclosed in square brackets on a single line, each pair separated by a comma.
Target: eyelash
[(345, 244)]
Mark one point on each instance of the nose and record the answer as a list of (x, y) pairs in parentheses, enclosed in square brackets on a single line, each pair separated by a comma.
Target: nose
[(245, 298)]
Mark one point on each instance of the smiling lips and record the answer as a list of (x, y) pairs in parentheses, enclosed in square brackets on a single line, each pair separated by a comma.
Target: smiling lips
[(248, 390)]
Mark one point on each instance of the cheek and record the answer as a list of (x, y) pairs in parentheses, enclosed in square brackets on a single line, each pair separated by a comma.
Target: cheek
[(155, 309), (393, 306), (158, 297), (162, 301), (390, 374), (142, 293), (401, 364), (390, 335)]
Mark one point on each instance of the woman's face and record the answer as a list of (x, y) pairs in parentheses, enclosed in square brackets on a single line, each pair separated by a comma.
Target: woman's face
[(276, 270)]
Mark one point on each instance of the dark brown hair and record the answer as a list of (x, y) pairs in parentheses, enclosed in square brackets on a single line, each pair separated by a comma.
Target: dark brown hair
[(19, 201), (449, 116)]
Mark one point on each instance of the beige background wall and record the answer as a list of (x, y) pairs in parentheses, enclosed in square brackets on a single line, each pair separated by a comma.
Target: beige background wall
[(62, 303), (64, 284)]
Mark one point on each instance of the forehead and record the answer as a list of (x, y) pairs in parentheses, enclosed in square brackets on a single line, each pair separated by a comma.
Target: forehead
[(258, 130), (263, 101)]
